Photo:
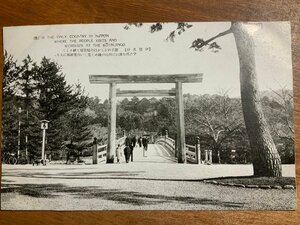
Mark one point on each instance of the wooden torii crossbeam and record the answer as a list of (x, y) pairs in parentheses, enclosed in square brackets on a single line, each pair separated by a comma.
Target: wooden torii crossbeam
[(164, 78), (146, 93), (113, 80)]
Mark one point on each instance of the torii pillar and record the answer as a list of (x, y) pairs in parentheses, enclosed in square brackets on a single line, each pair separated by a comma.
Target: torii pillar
[(181, 155), (113, 80), (112, 118)]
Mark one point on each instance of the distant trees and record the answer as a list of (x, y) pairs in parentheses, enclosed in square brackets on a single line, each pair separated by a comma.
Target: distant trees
[(217, 119), (99, 111)]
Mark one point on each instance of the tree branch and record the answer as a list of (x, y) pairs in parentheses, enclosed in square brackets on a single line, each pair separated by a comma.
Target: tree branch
[(199, 43), (219, 35)]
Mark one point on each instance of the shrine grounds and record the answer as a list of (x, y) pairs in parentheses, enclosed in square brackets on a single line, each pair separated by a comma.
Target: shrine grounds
[(138, 185)]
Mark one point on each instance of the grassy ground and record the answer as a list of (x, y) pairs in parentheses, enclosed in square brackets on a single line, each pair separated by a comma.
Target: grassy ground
[(272, 181)]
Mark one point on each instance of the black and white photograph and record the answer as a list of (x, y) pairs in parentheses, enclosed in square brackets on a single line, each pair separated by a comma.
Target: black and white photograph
[(148, 116)]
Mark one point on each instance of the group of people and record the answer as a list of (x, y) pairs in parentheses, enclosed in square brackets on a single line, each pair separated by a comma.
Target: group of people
[(130, 144)]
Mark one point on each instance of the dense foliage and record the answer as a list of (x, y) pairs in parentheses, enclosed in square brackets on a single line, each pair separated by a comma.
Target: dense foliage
[(41, 91)]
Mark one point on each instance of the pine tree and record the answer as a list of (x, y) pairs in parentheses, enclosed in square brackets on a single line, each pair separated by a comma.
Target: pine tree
[(77, 132), (55, 99), (9, 108), (30, 127)]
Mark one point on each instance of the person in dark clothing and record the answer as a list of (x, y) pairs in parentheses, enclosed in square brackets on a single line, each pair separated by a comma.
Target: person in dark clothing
[(145, 143), (127, 151), (128, 141), (131, 152), (133, 141), (140, 141)]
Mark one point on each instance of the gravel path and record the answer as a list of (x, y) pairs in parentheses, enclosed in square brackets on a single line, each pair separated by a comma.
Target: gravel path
[(139, 194), (144, 184)]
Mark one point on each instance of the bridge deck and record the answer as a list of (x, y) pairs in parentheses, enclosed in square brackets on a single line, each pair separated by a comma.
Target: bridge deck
[(154, 154)]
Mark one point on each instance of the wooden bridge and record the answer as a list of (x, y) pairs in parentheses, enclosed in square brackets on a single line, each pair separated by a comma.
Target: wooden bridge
[(183, 152), (162, 150)]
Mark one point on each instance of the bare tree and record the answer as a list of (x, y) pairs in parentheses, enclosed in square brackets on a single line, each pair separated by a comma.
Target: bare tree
[(217, 116), (285, 115)]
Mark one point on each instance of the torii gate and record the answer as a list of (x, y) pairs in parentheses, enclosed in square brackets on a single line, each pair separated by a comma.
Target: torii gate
[(113, 80)]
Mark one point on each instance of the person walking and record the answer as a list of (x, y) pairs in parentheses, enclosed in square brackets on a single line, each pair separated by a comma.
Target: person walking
[(118, 153), (127, 149), (140, 141), (127, 153), (133, 141), (128, 140), (131, 151), (145, 145)]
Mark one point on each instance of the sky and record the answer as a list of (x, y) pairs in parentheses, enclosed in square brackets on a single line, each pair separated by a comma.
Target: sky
[(220, 70)]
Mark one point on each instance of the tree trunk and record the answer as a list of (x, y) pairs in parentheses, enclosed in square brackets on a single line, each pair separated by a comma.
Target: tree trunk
[(217, 150), (265, 158)]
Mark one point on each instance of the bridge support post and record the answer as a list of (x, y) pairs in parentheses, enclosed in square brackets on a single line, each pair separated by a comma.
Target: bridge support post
[(112, 117), (95, 151), (166, 136), (180, 124), (198, 151), (176, 147)]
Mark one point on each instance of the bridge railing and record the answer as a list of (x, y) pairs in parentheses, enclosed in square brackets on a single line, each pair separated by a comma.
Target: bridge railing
[(167, 142), (101, 152), (192, 151), (102, 149)]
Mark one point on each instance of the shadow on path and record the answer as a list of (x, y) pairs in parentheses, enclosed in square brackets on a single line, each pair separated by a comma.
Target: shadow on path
[(82, 175), (116, 195)]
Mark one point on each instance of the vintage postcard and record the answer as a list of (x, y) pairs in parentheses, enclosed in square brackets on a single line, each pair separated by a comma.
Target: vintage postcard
[(148, 116)]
